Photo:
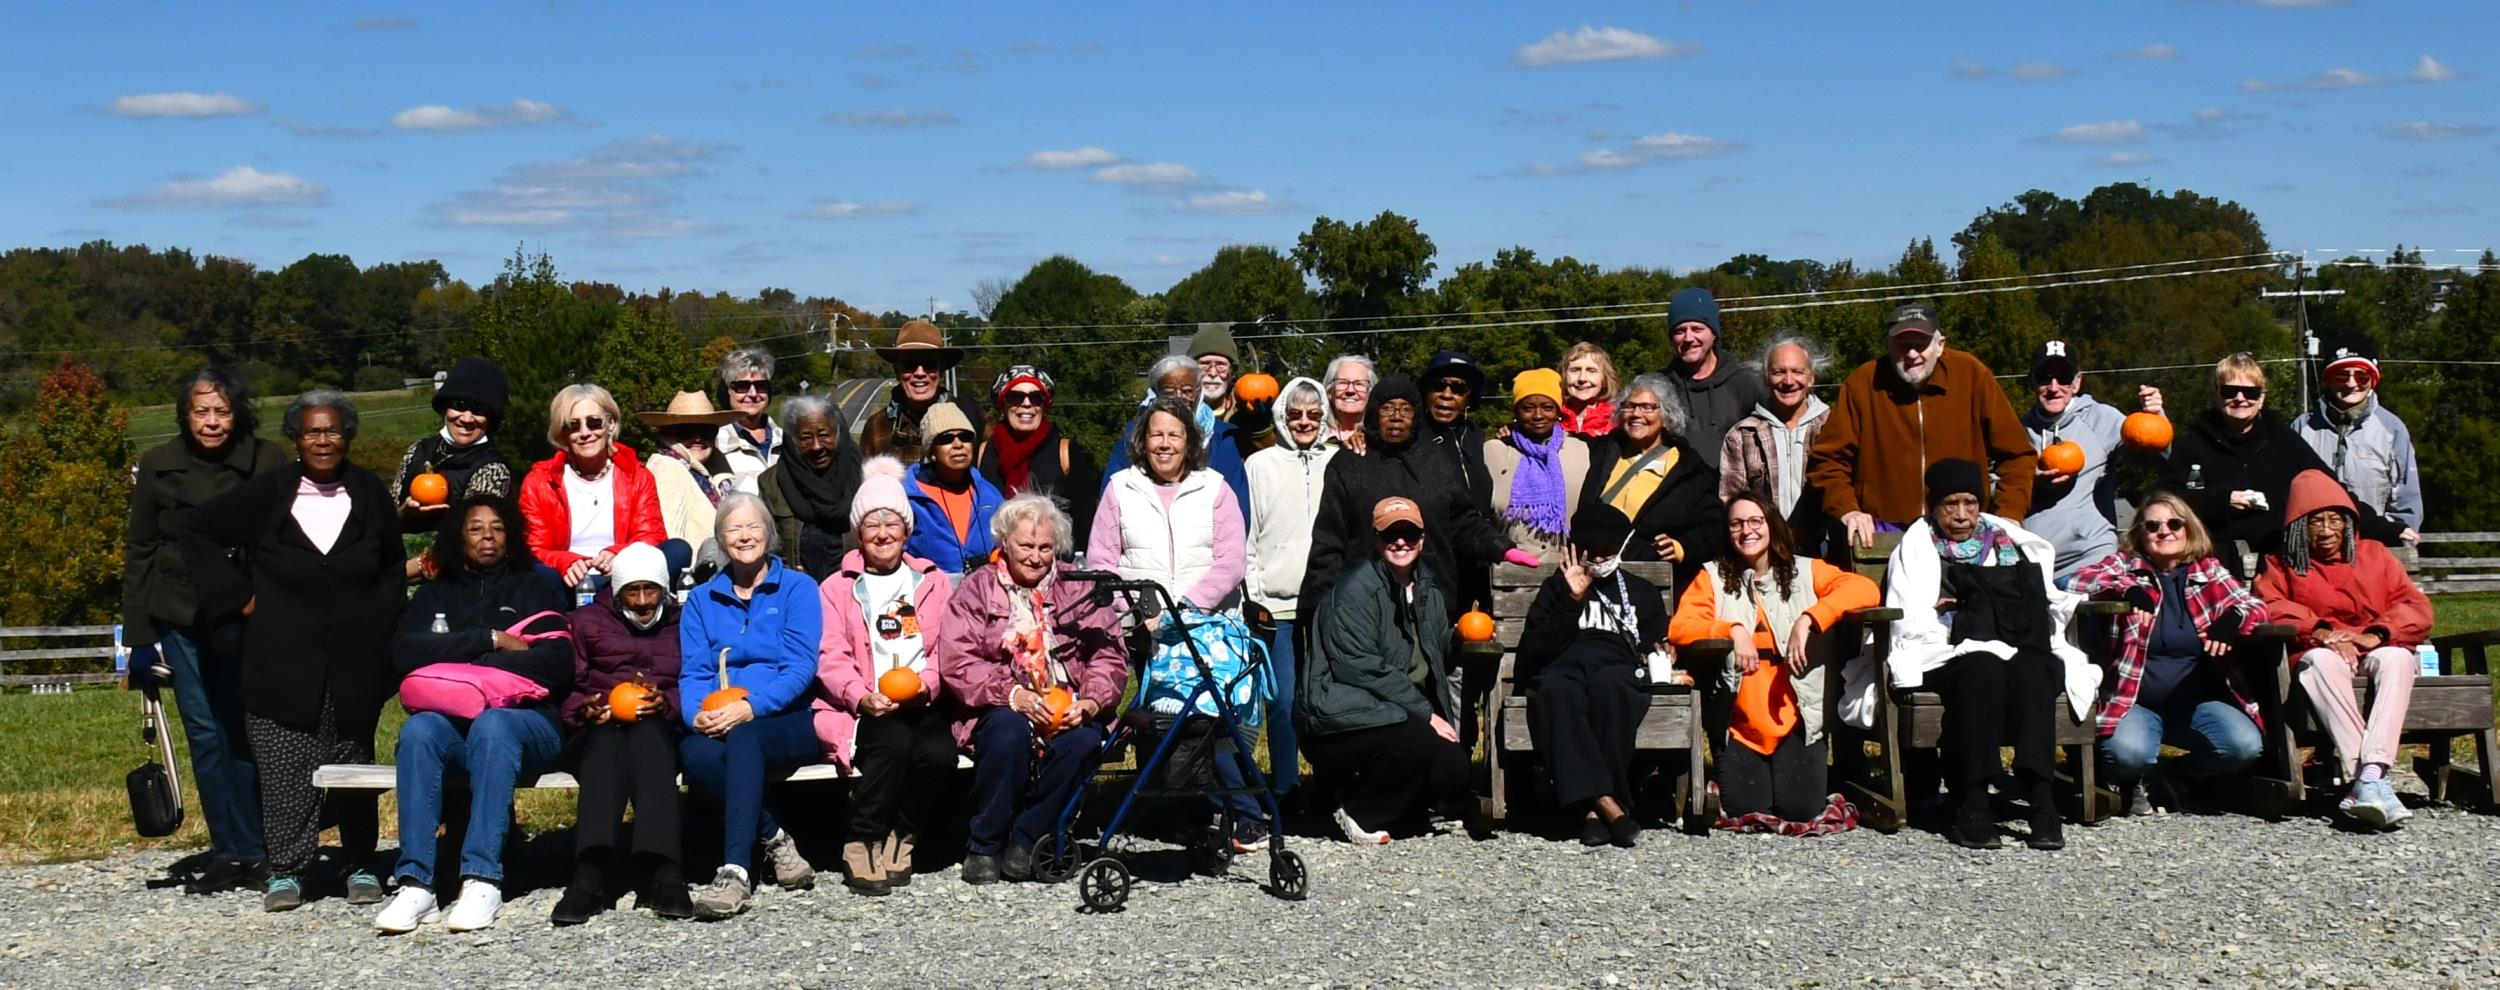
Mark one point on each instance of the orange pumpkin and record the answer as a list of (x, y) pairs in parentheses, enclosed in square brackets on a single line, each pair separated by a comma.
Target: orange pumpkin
[(723, 698), (2062, 457), (429, 488), (1056, 702), (900, 685), (1256, 387), (2146, 432), (1475, 627), (625, 700)]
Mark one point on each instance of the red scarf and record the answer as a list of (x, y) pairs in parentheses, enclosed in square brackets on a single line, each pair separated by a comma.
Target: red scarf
[(1593, 420), (1015, 457)]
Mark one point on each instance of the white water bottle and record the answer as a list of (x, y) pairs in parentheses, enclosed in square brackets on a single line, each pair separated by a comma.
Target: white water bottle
[(2430, 659), (441, 625)]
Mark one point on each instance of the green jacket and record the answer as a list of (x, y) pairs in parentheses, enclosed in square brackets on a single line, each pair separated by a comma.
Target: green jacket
[(1363, 639)]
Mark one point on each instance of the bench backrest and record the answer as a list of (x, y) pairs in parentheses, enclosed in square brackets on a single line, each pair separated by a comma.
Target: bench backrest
[(90, 652)]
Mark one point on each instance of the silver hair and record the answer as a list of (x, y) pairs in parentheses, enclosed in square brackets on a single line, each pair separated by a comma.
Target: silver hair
[(321, 398), (738, 363), (1328, 378), (1168, 364), (1035, 507), (736, 500), (1672, 416), (1817, 357), (798, 407)]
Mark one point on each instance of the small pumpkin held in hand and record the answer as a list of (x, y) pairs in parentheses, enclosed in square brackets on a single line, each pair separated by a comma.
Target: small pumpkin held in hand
[(723, 698), (430, 488), (2062, 457), (625, 700), (1475, 627), (2146, 432), (1256, 387), (900, 685)]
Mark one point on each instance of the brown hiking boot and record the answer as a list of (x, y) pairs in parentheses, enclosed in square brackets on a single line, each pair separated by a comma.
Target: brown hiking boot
[(865, 874), (894, 854)]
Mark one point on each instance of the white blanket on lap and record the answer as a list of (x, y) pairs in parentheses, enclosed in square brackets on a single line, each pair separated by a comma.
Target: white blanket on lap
[(1921, 637)]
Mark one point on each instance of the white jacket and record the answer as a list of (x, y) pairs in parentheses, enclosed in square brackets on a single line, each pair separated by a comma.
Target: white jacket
[(685, 512), (1175, 549), (1921, 637), (1285, 486)]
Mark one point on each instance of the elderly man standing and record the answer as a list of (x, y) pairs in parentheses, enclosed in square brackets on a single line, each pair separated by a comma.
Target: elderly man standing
[(2367, 447), (920, 358), (1219, 366), (1920, 404), (1716, 390), (1767, 451), (2078, 512)]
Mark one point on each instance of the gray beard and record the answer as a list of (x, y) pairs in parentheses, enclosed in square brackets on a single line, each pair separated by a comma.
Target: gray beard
[(1924, 373)]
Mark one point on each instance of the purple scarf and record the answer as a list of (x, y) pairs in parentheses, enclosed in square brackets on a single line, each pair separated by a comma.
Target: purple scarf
[(1536, 491)]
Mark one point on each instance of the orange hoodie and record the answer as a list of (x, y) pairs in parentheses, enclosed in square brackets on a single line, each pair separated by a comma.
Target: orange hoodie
[(1766, 705), (2369, 593)]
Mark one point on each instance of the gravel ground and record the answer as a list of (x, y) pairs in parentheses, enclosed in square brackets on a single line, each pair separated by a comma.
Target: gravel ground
[(2163, 901)]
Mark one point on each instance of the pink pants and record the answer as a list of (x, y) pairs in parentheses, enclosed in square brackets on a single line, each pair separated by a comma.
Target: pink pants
[(2328, 680)]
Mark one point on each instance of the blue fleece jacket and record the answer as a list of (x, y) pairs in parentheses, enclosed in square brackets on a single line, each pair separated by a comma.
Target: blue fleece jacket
[(933, 535), (771, 638)]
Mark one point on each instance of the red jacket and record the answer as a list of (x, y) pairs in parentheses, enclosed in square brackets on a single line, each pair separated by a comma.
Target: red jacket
[(550, 515), (2369, 592)]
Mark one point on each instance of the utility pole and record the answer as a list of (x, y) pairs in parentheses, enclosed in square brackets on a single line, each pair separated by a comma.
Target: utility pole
[(2300, 320)]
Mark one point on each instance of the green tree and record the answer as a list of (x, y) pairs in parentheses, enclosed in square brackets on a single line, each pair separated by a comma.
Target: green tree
[(1244, 283), (530, 323), (1366, 271), (1099, 372), (645, 362), (64, 492)]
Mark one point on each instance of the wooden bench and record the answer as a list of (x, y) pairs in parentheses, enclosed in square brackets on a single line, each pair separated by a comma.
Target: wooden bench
[(100, 644), (2456, 703), (383, 776)]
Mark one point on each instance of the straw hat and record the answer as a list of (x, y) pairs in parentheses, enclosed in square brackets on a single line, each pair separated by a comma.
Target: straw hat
[(687, 408), (921, 338)]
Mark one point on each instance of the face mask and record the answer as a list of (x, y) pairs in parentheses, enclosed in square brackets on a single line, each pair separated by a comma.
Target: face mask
[(1605, 568), (641, 624)]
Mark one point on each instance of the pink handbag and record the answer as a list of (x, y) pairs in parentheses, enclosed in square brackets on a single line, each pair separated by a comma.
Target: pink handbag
[(467, 690)]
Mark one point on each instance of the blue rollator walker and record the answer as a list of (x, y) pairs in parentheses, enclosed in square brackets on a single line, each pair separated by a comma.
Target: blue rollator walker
[(1104, 879)]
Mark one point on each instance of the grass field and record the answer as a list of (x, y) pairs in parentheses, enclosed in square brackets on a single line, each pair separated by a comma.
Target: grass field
[(61, 794), (400, 413)]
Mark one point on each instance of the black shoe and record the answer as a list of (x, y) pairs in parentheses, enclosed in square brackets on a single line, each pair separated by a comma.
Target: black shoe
[(2048, 832), (979, 869), (1017, 865), (1594, 832), (667, 895), (220, 877), (586, 894), (1624, 831), (1975, 826)]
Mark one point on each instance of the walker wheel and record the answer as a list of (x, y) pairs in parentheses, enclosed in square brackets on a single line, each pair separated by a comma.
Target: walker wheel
[(1287, 877), (1051, 863), (1105, 886)]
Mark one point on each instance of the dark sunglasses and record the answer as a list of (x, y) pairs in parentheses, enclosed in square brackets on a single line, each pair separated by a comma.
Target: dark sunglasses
[(465, 406), (952, 437), (2251, 393), (757, 385), (910, 364), (1024, 397), (1402, 534), (2044, 378), (1454, 386), (1314, 415), (2173, 525), (595, 424)]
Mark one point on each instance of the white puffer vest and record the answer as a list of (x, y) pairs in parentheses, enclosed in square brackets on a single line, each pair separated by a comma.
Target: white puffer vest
[(1174, 548)]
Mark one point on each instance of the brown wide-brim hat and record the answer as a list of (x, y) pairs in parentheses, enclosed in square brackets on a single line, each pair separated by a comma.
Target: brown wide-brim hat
[(687, 409), (921, 338)]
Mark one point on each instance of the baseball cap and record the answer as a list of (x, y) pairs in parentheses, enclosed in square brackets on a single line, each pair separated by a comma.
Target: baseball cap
[(1911, 316), (2053, 354), (1394, 510)]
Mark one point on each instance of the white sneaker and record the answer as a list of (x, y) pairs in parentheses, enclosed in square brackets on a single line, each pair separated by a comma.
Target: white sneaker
[(479, 903), (1357, 834), (412, 906)]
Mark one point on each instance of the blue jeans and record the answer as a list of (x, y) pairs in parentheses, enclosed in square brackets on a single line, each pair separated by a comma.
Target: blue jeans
[(209, 694), (2217, 736), (1284, 751), (1005, 808), (728, 775), (494, 752)]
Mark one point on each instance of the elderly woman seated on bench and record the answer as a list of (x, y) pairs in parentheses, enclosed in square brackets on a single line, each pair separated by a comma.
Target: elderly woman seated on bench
[(2354, 610), (2175, 679), (1588, 635), (1982, 626), (626, 635), (490, 609), (1771, 604)]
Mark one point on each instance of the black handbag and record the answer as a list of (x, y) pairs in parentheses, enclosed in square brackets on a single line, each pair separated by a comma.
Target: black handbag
[(155, 789)]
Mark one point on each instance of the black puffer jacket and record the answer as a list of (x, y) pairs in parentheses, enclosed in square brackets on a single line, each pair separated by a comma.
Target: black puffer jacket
[(1457, 531), (1686, 506), (474, 605), (2209, 461)]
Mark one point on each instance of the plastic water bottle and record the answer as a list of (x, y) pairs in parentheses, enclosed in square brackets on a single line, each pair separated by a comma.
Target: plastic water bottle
[(2430, 659), (441, 626)]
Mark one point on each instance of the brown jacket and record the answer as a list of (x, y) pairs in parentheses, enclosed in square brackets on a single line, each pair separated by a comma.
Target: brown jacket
[(895, 429), (1873, 452)]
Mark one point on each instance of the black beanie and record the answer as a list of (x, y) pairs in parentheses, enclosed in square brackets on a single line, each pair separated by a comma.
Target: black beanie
[(1954, 476), (1391, 386), (1600, 529), (478, 381)]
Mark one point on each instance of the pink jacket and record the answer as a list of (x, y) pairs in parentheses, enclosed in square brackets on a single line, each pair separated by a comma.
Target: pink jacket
[(971, 650), (844, 660)]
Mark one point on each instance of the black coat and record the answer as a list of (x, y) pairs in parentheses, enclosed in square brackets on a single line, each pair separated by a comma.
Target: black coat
[(172, 480), (1457, 532), (479, 468), (1553, 627), (1464, 443), (474, 604), (1685, 507), (321, 623), (2208, 461), (1077, 489)]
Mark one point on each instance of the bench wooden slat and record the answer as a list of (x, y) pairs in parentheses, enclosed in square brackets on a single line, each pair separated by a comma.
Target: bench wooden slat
[(64, 653), (1922, 712), (29, 680), (383, 776), (1666, 725), (43, 632)]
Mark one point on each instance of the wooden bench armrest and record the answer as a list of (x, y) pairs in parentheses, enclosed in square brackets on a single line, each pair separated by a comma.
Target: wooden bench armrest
[(2479, 637), (1875, 613), (2270, 634), (2471, 649), (2104, 608), (1704, 655)]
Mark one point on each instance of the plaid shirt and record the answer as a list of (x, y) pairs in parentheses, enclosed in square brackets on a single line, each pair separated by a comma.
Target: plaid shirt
[(2211, 593)]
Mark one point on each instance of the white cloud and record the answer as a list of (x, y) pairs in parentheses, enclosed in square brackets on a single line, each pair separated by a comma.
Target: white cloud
[(1644, 150), (2209, 122), (895, 117), (1085, 157), (843, 209), (2256, 86), (1598, 44), (655, 227), (443, 119), (301, 129), (2431, 130), (1150, 174), (1236, 202), (2431, 70), (2159, 51), (2039, 71), (2344, 78), (186, 104), (621, 189), (2105, 132), (1963, 68), (2117, 159), (241, 185)]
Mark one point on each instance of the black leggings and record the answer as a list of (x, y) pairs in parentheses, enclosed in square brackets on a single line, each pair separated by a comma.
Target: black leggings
[(1389, 777), (1584, 716), (1790, 783), (618, 763), (1989, 703), (906, 760)]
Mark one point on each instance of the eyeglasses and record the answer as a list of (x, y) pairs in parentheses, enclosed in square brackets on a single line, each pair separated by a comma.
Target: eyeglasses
[(2045, 378), (1453, 386), (594, 424), (2351, 376), (1350, 384), (1746, 524), (909, 365), (752, 385), (951, 437), (1305, 413), (321, 433), (2249, 393), (1402, 535), (464, 406), (1024, 397), (1640, 407), (2172, 525)]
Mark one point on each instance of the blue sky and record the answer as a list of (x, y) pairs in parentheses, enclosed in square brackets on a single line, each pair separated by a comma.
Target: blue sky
[(893, 153)]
